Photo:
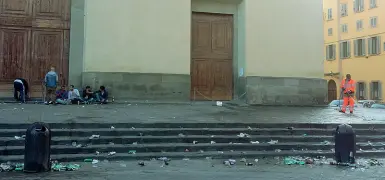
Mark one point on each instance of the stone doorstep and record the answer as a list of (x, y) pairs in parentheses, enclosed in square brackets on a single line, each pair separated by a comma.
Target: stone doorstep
[(182, 147), (202, 126), (191, 155), (11, 141)]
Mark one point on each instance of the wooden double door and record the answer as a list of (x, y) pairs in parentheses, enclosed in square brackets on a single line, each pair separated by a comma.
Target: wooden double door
[(211, 56), (34, 35)]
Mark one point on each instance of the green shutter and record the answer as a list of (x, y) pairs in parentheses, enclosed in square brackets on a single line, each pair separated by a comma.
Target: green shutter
[(334, 51), (357, 91), (378, 44), (371, 91), (348, 48), (365, 91), (379, 90), (363, 47), (370, 46), (327, 52), (341, 51), (355, 44)]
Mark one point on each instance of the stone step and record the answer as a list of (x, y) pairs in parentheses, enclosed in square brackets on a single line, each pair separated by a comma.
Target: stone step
[(189, 125), (191, 155), (64, 140), (182, 147), (188, 131)]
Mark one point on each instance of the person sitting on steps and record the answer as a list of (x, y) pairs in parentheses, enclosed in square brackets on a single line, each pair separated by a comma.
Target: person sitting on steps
[(74, 95), (102, 95), (88, 95), (62, 96)]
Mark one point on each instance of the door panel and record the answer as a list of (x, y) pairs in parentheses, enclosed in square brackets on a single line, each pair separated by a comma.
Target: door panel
[(202, 78), (211, 56), (13, 53), (15, 13)]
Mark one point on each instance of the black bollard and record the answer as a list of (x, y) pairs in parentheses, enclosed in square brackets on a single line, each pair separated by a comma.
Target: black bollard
[(37, 148), (345, 144)]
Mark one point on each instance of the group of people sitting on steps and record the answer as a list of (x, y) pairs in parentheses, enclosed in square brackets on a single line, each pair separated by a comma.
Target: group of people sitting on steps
[(61, 96)]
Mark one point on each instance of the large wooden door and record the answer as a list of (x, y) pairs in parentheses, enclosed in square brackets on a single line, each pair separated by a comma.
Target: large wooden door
[(332, 90), (34, 35), (211, 56)]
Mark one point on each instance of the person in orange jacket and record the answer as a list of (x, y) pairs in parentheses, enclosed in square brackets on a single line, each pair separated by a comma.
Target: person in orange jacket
[(348, 87)]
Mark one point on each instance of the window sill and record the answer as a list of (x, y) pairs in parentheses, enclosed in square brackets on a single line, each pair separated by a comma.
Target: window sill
[(329, 59), (360, 56), (373, 7)]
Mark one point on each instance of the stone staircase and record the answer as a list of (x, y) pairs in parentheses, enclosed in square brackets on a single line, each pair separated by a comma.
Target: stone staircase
[(135, 141)]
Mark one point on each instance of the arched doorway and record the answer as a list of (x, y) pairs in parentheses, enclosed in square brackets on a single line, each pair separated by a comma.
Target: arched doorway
[(332, 90)]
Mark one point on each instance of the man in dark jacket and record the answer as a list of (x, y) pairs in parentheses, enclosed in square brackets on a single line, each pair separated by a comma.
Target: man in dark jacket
[(21, 89), (102, 95)]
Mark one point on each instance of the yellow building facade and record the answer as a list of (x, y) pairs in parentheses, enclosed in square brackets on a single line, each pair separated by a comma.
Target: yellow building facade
[(354, 32)]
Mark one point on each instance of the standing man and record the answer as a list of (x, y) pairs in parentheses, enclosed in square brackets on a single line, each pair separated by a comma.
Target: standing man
[(51, 81), (21, 89), (348, 87)]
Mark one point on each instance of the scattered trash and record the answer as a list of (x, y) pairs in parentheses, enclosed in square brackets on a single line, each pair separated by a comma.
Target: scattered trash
[(123, 165), (141, 163), (256, 160), (94, 161), (195, 142), (74, 144), (111, 153), (254, 142), (212, 142), (163, 159), (132, 128), (243, 160), (293, 161), (88, 160), (249, 164), (212, 136), (94, 137), (111, 143), (6, 167), (374, 162), (135, 143), (18, 137), (277, 150), (326, 143), (112, 127), (97, 152), (219, 103), (220, 152), (181, 135), (273, 142), (249, 128), (243, 135), (132, 152), (290, 128), (186, 150), (201, 151), (304, 135), (79, 146), (186, 159)]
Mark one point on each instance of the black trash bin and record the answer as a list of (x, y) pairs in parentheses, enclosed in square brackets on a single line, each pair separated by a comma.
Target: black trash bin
[(37, 148), (345, 144)]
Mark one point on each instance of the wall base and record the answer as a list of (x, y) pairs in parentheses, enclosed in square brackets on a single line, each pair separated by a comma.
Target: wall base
[(141, 85), (285, 91)]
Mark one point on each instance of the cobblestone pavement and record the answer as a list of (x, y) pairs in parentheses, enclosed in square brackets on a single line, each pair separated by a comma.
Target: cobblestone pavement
[(203, 169), (196, 112)]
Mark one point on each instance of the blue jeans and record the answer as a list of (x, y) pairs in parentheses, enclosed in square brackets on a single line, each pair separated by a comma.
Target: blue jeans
[(19, 88)]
